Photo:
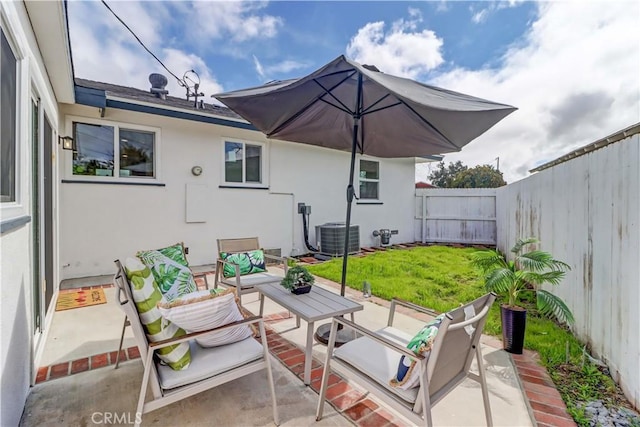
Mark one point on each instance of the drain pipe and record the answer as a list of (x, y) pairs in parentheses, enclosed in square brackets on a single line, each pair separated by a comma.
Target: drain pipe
[(305, 211)]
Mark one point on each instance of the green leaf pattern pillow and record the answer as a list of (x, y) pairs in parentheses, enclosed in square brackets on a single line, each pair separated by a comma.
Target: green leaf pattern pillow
[(407, 375), (171, 271), (146, 296), (249, 262)]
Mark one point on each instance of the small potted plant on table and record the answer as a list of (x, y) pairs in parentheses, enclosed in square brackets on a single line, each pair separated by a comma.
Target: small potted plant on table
[(298, 280), (524, 274)]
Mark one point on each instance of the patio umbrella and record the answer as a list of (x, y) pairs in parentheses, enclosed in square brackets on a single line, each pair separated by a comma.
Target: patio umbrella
[(356, 108)]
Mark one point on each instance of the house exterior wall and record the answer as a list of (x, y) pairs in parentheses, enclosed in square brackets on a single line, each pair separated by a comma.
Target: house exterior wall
[(20, 344), (101, 222), (586, 212)]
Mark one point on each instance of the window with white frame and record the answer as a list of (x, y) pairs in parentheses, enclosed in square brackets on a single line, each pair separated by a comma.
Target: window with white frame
[(369, 179), (8, 120), (243, 163), (112, 150)]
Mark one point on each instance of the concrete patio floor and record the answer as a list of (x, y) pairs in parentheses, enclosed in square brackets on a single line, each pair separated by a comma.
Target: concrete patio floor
[(88, 397)]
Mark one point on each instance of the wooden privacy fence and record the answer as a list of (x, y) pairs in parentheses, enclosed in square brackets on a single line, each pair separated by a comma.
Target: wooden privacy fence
[(445, 215), (584, 207), (586, 212)]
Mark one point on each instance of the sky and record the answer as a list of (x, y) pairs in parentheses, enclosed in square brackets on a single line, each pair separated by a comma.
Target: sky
[(572, 68)]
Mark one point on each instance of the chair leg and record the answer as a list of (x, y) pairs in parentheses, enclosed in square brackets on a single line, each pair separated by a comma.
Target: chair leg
[(423, 398), (261, 304), (263, 335), (483, 386), (124, 326), (143, 388), (327, 370)]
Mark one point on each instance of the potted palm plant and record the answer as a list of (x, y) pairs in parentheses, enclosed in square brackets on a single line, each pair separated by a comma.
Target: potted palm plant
[(522, 275), (298, 280)]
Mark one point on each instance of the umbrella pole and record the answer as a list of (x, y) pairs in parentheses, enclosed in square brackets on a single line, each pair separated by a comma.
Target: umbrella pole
[(350, 190), (350, 194), (323, 331)]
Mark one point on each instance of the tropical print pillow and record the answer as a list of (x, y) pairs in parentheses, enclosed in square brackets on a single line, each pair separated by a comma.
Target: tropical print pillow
[(407, 375), (249, 262), (171, 270), (146, 296)]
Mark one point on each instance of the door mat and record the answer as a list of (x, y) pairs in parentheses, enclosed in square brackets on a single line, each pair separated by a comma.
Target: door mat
[(80, 298)]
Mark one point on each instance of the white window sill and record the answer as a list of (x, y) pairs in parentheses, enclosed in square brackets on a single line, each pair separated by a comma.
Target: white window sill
[(7, 225)]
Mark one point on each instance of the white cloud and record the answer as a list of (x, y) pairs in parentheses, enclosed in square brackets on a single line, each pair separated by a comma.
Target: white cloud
[(270, 72), (574, 78), (258, 66), (104, 51), (237, 20), (286, 66), (480, 17), (179, 60), (443, 6), (402, 51)]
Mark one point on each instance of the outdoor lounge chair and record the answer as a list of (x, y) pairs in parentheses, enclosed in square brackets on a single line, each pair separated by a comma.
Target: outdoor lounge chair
[(372, 360), (126, 322), (244, 283), (209, 367)]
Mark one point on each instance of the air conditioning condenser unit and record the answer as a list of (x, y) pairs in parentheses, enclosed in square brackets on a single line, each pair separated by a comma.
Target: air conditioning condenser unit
[(330, 238)]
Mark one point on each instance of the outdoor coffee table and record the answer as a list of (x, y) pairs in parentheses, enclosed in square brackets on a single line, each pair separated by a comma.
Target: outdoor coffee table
[(318, 304)]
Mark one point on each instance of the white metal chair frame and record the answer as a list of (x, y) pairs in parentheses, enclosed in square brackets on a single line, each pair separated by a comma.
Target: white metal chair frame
[(162, 397), (244, 244), (419, 412)]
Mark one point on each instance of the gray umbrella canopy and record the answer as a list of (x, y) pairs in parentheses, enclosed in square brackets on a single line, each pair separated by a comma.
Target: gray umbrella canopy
[(353, 107), (399, 117)]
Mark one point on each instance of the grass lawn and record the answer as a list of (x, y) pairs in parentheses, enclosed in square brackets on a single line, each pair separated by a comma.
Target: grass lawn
[(442, 278)]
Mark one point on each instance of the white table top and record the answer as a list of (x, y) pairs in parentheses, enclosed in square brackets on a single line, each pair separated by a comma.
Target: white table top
[(318, 304)]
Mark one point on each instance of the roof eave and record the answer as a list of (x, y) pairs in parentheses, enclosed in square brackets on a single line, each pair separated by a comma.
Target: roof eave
[(49, 23)]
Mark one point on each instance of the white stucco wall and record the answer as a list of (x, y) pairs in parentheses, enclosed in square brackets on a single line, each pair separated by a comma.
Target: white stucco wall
[(99, 222), (16, 321), (19, 344)]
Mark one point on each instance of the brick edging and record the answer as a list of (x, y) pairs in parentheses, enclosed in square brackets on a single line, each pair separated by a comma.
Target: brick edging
[(60, 370), (543, 399), (348, 401), (541, 396)]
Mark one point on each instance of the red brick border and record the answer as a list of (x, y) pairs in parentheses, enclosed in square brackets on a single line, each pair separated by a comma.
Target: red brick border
[(543, 399), (60, 370), (352, 403)]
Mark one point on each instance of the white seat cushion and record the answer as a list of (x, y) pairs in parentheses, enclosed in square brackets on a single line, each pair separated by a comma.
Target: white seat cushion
[(253, 279), (377, 361), (208, 362)]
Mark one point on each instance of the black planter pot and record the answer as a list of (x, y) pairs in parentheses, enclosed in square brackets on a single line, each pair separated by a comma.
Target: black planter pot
[(302, 290), (514, 322)]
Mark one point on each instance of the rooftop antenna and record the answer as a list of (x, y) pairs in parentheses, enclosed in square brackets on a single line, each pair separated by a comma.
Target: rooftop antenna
[(191, 82)]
